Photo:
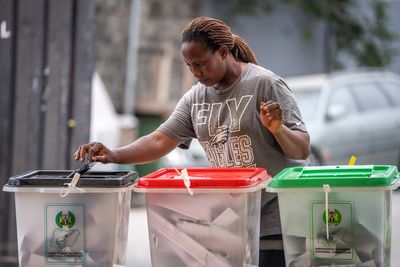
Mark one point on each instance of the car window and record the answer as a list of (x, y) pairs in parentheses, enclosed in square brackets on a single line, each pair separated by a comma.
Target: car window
[(392, 91), (341, 103), (307, 100), (369, 96)]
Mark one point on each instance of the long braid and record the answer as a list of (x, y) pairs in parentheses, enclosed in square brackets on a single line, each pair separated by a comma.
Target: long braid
[(242, 51), (215, 33)]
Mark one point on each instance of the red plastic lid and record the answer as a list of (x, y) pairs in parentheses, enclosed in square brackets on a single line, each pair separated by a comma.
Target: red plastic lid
[(204, 178)]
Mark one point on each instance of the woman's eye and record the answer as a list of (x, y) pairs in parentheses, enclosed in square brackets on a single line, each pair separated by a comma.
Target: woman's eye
[(195, 65)]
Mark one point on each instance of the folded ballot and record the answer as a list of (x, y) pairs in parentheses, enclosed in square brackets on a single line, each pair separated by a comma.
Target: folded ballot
[(184, 242)]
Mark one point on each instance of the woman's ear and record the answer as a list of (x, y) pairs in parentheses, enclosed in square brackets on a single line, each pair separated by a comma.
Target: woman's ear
[(223, 51)]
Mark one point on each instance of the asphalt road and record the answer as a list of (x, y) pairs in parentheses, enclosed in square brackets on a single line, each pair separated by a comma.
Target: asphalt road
[(138, 253)]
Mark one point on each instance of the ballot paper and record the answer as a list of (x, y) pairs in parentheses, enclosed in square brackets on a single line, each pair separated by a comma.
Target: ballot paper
[(66, 234), (227, 219), (366, 246), (185, 242), (222, 231), (211, 204), (214, 238), (350, 243)]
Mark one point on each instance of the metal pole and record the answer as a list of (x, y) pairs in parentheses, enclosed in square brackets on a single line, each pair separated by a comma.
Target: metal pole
[(133, 48)]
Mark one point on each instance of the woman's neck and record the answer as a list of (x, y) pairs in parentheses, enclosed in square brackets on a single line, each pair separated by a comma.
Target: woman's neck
[(233, 71)]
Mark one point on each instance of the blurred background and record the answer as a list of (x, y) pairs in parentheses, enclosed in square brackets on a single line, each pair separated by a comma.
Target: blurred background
[(75, 71)]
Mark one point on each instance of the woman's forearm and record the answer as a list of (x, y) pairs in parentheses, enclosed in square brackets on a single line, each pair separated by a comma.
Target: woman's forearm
[(145, 149), (295, 144)]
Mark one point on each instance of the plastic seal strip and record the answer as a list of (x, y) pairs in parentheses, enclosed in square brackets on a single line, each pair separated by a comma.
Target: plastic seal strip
[(75, 177), (72, 185), (327, 189), (185, 176)]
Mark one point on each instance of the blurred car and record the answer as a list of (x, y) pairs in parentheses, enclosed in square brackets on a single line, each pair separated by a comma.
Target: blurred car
[(194, 156), (351, 113)]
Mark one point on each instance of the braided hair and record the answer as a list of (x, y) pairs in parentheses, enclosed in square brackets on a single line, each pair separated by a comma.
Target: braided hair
[(215, 33)]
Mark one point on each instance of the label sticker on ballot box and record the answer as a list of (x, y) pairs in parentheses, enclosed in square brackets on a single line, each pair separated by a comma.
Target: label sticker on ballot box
[(65, 234), (340, 225)]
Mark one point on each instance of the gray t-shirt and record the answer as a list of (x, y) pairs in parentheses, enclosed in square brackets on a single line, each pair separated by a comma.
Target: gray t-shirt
[(228, 126)]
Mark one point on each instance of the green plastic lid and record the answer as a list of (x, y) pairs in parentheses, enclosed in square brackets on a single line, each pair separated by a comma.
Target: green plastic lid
[(336, 176)]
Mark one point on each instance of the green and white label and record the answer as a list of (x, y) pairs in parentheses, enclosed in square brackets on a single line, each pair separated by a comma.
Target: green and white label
[(65, 234), (340, 225)]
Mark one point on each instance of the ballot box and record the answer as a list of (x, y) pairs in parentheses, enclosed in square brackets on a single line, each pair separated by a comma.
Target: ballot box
[(204, 216), (336, 215), (86, 225)]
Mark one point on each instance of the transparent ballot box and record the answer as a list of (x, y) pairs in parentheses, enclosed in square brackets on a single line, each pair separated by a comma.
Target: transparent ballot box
[(204, 216), (336, 215), (62, 226)]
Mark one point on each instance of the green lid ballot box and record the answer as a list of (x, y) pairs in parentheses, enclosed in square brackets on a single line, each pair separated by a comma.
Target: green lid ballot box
[(336, 215), (87, 227), (214, 221)]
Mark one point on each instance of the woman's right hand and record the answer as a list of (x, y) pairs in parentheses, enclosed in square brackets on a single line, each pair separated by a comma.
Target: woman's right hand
[(94, 152)]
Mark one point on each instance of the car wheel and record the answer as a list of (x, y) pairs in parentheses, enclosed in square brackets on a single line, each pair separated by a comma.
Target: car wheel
[(313, 160)]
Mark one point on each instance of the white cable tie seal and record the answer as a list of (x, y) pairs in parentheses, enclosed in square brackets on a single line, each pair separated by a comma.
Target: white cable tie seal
[(327, 189), (72, 185), (186, 180)]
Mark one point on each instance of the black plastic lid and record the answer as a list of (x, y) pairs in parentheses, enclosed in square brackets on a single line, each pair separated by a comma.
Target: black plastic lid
[(48, 178)]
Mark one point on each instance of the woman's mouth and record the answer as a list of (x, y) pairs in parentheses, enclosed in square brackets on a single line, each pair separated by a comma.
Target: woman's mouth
[(205, 81)]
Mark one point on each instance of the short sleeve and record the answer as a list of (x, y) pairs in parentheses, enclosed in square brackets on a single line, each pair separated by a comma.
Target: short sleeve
[(281, 93), (179, 125)]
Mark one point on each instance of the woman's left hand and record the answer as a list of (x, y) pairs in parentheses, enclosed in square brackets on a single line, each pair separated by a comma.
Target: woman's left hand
[(271, 115)]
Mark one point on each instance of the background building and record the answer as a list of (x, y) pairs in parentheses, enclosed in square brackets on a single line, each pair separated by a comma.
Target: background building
[(146, 75)]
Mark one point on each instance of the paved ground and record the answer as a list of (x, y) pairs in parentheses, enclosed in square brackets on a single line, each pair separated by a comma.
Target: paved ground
[(138, 244), (138, 254)]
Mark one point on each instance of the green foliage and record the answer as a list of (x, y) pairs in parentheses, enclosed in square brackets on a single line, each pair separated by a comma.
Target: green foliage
[(364, 37)]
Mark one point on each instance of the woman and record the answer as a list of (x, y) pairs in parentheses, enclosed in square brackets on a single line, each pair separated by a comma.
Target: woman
[(242, 115)]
